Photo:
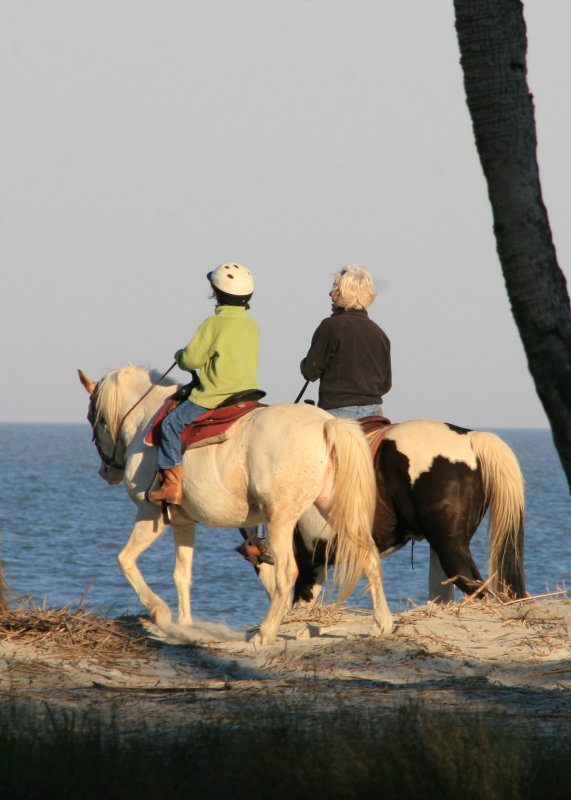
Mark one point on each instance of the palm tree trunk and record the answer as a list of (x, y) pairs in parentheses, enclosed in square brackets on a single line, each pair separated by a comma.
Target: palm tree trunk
[(493, 44)]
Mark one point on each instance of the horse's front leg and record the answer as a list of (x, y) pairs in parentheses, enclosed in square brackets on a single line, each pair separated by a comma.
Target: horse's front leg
[(184, 534), (267, 575), (280, 537), (308, 586), (383, 620), (310, 557), (148, 527)]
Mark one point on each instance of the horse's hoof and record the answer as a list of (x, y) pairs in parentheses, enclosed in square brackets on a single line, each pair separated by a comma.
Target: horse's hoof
[(382, 629), (259, 640), (162, 617)]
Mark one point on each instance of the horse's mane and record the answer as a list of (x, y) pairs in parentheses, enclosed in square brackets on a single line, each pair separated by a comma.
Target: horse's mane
[(113, 386)]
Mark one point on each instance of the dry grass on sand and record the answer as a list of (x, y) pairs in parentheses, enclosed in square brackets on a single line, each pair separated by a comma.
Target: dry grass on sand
[(509, 658)]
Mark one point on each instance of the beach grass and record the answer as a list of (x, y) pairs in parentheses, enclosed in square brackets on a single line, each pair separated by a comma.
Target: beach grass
[(415, 753)]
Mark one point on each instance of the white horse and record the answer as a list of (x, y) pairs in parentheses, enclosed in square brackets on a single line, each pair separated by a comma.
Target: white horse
[(277, 462)]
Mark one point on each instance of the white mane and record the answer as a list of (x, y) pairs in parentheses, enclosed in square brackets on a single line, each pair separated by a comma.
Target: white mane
[(115, 385)]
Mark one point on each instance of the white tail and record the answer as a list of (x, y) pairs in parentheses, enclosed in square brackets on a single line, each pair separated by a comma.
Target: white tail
[(353, 507), (504, 494)]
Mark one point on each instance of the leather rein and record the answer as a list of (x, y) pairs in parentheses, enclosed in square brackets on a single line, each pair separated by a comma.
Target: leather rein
[(92, 417)]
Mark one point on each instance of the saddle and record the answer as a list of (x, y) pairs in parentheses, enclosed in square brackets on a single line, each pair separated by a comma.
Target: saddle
[(375, 429), (212, 426)]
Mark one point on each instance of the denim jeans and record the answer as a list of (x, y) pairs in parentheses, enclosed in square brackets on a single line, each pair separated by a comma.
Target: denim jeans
[(170, 450), (356, 412)]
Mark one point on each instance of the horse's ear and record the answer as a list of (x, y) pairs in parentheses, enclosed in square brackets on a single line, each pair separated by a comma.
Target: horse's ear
[(87, 382)]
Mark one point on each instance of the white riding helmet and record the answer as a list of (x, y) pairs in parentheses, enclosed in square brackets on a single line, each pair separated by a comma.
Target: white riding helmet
[(232, 279)]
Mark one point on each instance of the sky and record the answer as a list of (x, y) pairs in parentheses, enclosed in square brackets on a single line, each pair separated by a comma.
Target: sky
[(144, 143)]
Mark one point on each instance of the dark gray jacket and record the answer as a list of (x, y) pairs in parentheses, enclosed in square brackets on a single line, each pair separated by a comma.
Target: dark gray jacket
[(351, 357)]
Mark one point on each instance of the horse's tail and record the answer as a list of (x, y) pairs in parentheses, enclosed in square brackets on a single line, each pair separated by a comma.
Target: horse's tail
[(504, 496), (353, 502)]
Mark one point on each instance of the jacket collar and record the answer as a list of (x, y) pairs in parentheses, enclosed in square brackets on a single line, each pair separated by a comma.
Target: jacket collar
[(230, 311), (362, 312)]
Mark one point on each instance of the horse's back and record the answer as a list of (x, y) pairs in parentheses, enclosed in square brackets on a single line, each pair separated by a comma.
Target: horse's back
[(285, 437), (286, 414), (423, 443), (284, 425)]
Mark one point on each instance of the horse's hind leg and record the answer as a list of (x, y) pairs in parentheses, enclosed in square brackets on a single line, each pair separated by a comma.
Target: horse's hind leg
[(148, 527), (448, 502), (457, 563), (267, 575), (438, 591), (383, 621), (280, 536), (184, 534)]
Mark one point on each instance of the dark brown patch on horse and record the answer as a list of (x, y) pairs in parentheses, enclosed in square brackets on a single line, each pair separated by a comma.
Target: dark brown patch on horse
[(309, 563), (445, 505), (457, 429)]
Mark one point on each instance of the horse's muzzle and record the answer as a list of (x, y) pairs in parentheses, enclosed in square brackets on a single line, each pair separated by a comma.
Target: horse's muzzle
[(112, 476)]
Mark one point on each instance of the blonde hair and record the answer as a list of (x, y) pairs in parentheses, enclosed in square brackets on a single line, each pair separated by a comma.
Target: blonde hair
[(355, 287)]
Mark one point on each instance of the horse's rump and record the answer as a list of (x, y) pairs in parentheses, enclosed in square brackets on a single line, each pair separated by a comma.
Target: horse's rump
[(435, 481)]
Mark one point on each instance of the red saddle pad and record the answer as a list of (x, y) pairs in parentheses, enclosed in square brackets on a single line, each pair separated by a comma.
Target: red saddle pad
[(212, 423)]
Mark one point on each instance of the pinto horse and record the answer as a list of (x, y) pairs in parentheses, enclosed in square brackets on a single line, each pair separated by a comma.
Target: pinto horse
[(435, 481), (276, 463)]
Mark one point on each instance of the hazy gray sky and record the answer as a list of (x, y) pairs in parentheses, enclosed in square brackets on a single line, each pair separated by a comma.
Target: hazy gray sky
[(143, 143)]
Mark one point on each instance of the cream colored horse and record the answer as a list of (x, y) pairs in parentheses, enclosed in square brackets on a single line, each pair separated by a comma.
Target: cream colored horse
[(277, 462)]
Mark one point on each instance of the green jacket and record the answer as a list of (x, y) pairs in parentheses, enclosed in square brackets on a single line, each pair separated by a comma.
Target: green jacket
[(226, 351)]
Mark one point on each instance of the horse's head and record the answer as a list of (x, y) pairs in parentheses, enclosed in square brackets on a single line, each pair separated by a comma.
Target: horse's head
[(111, 470)]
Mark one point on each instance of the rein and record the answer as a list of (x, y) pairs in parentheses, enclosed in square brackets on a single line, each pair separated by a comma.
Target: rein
[(111, 462), (300, 395)]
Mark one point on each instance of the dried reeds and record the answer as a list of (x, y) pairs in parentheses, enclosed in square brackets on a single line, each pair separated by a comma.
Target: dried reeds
[(81, 633)]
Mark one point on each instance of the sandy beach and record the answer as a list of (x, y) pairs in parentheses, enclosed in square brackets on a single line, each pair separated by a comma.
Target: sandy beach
[(512, 660)]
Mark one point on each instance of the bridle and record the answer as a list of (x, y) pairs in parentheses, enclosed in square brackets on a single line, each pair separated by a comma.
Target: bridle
[(93, 419), (111, 462)]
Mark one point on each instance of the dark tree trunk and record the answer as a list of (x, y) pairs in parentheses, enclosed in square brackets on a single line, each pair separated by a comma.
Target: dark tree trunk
[(493, 44)]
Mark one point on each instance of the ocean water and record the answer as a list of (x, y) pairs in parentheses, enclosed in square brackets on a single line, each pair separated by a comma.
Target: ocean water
[(62, 526)]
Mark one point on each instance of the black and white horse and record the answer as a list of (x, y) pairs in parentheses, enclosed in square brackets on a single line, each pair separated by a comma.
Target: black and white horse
[(435, 481)]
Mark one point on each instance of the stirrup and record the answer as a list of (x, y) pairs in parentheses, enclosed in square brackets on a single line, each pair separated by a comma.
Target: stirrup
[(156, 484), (254, 554)]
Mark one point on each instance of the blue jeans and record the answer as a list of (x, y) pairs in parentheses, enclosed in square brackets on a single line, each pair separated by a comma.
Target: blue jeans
[(170, 450), (356, 412)]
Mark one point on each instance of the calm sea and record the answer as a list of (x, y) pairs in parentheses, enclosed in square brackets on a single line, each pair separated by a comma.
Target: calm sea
[(62, 526)]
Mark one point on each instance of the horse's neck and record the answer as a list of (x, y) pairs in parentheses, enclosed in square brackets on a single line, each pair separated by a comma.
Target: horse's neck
[(138, 413)]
